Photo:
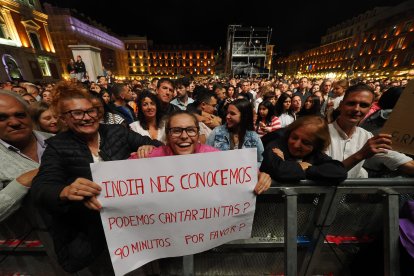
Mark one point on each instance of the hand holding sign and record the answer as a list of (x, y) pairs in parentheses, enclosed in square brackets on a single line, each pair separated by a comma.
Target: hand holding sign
[(399, 124), (82, 189), (208, 206)]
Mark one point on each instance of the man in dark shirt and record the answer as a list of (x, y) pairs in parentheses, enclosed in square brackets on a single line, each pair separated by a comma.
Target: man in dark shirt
[(121, 95), (80, 68), (165, 93)]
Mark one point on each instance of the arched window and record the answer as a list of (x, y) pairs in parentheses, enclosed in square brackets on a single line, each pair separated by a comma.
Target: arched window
[(12, 69)]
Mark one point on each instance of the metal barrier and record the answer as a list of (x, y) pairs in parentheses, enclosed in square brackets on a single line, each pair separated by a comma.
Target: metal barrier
[(290, 228), (381, 197)]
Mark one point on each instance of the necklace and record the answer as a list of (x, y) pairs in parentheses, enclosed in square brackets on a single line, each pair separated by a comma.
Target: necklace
[(234, 143)]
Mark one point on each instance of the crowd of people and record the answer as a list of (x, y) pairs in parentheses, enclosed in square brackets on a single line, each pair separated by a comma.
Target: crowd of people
[(321, 129)]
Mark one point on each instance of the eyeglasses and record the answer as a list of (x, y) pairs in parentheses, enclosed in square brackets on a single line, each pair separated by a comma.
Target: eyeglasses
[(178, 131), (78, 114)]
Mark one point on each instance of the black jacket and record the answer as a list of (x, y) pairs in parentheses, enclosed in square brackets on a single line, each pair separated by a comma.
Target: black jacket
[(80, 67), (76, 230), (323, 168)]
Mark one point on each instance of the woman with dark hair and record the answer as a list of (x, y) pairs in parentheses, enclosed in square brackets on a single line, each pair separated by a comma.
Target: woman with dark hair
[(283, 111), (149, 121), (312, 106), (231, 93), (104, 94), (297, 152), (271, 97), (238, 132), (107, 114), (266, 120)]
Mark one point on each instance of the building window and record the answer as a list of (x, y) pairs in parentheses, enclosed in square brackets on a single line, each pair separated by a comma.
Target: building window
[(34, 39), (12, 68), (376, 46), (393, 30), (407, 26), (2, 35), (387, 44), (3, 29), (393, 58), (381, 61), (400, 42), (44, 66), (407, 59), (32, 29)]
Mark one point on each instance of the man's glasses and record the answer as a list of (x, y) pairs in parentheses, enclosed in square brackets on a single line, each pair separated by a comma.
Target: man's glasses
[(78, 114), (177, 131)]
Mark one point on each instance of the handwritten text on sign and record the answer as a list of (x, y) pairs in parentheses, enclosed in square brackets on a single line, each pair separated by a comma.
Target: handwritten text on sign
[(174, 206)]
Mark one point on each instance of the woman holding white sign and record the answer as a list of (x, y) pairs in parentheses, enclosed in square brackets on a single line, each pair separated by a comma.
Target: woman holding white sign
[(64, 187), (183, 138)]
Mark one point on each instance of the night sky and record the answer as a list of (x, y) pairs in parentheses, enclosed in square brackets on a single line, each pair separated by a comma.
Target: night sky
[(295, 24)]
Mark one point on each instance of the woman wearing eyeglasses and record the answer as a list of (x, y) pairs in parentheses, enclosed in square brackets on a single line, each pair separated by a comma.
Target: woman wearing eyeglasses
[(64, 188), (183, 138)]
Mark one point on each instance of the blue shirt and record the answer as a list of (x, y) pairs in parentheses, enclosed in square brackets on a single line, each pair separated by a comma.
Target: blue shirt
[(220, 139)]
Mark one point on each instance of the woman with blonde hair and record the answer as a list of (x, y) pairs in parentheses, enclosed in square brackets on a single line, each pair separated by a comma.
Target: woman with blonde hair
[(297, 152), (44, 118)]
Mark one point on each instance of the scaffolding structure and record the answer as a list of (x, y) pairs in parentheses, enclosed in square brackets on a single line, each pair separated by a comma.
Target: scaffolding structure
[(248, 51)]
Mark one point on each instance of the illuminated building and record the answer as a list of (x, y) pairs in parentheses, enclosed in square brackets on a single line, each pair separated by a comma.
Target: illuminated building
[(26, 48), (376, 44), (68, 28), (148, 61), (138, 57)]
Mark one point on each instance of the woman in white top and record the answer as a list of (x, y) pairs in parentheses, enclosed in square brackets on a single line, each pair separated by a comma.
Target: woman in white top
[(150, 121), (283, 111)]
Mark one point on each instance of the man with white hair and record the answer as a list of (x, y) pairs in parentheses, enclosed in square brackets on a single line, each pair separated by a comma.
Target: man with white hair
[(20, 151)]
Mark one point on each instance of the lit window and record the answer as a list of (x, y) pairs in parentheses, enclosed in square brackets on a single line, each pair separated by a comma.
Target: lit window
[(3, 29), (32, 29), (44, 66), (399, 43), (35, 41), (407, 26)]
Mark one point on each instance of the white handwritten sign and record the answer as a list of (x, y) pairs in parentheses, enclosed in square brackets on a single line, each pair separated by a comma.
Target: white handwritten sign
[(399, 124), (174, 206)]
